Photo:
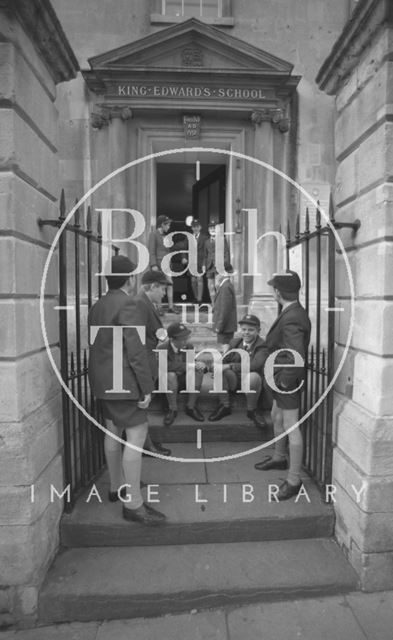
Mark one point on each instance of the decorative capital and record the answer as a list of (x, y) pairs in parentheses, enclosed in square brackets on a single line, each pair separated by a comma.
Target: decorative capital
[(102, 116), (275, 115), (100, 119)]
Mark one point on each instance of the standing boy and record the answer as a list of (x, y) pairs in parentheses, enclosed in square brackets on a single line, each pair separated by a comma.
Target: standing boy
[(157, 251), (290, 331), (209, 260), (225, 308), (122, 410)]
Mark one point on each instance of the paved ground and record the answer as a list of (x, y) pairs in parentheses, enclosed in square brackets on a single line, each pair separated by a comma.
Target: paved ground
[(356, 616)]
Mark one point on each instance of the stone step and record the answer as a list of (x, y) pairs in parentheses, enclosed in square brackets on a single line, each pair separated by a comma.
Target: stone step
[(192, 495), (233, 428), (114, 582)]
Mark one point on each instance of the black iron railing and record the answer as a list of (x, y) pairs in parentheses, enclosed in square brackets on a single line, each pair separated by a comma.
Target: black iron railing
[(78, 287), (317, 259)]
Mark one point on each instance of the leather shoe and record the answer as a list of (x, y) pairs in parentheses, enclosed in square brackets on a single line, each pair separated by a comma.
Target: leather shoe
[(170, 417), (113, 496), (287, 490), (142, 515), (259, 424), (270, 463), (219, 413), (195, 414), (156, 447), (158, 514)]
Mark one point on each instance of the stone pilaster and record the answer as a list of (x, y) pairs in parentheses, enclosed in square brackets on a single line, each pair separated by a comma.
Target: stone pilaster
[(359, 72), (34, 56), (268, 205)]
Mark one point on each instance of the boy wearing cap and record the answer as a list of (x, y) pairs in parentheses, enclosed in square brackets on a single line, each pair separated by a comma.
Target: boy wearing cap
[(197, 281), (255, 346), (291, 330), (143, 309), (157, 251), (175, 346), (122, 410), (225, 308), (209, 259)]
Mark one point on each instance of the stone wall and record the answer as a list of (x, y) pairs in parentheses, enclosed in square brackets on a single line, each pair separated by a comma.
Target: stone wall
[(359, 72), (300, 32), (30, 404)]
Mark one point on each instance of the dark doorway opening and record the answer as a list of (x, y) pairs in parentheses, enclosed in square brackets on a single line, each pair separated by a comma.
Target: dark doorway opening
[(180, 195)]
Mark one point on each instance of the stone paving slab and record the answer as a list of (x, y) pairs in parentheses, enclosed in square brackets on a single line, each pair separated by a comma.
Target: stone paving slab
[(374, 613), (200, 626), (311, 619), (356, 616), (72, 631)]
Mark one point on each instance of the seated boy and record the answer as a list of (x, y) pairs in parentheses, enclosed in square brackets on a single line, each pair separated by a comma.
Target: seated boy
[(250, 341), (177, 341)]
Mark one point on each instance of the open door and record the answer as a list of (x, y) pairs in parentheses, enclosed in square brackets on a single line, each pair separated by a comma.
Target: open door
[(208, 197)]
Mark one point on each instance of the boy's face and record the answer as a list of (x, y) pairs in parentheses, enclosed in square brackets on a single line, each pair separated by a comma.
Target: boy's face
[(180, 342), (249, 333), (196, 229), (158, 291), (212, 231), (165, 227)]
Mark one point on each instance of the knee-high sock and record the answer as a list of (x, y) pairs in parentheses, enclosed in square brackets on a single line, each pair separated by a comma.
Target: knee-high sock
[(295, 456), (280, 446), (113, 455), (132, 464), (255, 383)]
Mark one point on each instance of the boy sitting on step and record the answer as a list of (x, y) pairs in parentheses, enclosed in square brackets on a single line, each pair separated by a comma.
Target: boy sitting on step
[(236, 377), (175, 346)]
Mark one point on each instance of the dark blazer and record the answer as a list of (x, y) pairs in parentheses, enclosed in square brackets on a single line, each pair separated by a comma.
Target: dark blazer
[(141, 308), (291, 330), (184, 244), (225, 309), (157, 250), (137, 377), (176, 361), (209, 259), (258, 355)]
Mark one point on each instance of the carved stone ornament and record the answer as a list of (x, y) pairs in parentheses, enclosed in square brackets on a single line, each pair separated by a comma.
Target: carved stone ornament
[(274, 115), (102, 116), (192, 57)]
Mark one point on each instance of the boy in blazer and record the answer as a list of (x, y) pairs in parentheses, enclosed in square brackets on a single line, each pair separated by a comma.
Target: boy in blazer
[(209, 260), (178, 340), (225, 308), (157, 251), (125, 409), (291, 330), (250, 341), (144, 307)]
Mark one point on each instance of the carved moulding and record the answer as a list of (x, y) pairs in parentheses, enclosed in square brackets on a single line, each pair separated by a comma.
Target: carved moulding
[(275, 115), (103, 115)]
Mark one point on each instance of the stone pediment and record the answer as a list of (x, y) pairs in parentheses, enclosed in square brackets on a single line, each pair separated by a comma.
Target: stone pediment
[(191, 45)]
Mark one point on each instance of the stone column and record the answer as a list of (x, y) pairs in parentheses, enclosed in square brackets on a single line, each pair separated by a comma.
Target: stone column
[(34, 56), (268, 219), (363, 427)]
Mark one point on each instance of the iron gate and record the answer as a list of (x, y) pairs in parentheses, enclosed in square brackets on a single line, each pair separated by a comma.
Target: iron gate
[(313, 250), (79, 260)]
